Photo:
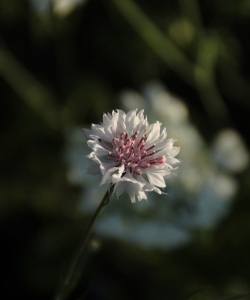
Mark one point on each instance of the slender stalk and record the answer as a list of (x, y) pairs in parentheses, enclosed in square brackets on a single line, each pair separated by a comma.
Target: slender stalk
[(68, 282)]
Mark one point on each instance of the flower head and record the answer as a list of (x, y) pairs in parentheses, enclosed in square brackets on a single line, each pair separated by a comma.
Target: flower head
[(131, 154)]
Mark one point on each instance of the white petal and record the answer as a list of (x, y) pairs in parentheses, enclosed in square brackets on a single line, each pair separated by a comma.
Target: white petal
[(149, 187), (168, 150), (121, 127), (156, 179), (174, 151), (104, 167), (162, 169), (106, 120), (140, 115), (141, 195), (163, 134), (130, 121), (131, 193), (168, 144), (132, 186), (99, 150), (173, 161), (87, 132), (94, 162), (107, 177), (92, 157), (119, 188), (114, 122), (154, 133), (103, 132)]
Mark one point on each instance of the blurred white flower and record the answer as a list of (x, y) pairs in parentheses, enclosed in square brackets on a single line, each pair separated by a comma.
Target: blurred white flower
[(62, 8), (230, 152), (126, 148), (40, 6), (65, 7)]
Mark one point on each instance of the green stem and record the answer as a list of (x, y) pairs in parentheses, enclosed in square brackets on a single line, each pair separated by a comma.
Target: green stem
[(68, 284)]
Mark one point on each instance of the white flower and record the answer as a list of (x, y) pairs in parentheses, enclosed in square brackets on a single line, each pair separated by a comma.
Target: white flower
[(130, 154)]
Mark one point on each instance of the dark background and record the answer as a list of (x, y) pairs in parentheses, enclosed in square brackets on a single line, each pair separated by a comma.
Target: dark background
[(61, 69)]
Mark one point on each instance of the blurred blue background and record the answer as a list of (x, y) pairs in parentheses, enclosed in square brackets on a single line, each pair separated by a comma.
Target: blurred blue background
[(63, 63)]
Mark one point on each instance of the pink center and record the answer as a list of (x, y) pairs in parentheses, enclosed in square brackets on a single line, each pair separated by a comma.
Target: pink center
[(133, 153)]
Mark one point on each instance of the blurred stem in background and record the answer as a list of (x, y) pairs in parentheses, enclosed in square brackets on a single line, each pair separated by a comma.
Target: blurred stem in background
[(31, 91), (191, 11), (162, 46), (207, 56), (198, 74)]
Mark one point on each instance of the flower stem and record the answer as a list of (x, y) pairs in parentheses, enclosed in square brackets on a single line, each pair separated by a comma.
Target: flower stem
[(70, 279)]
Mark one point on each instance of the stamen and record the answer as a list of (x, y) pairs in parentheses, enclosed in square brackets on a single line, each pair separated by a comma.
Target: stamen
[(159, 158), (151, 153), (142, 146), (137, 172), (145, 167), (150, 148), (133, 137), (135, 156), (142, 139)]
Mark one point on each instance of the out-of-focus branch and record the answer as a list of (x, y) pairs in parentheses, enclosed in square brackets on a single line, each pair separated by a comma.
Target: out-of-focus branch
[(191, 11), (161, 44), (195, 74), (32, 92), (207, 55)]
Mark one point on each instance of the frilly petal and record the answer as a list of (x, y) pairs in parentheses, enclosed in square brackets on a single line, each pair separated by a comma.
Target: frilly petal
[(97, 148), (156, 179)]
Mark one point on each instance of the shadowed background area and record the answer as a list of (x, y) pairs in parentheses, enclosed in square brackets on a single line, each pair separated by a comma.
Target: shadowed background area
[(63, 63)]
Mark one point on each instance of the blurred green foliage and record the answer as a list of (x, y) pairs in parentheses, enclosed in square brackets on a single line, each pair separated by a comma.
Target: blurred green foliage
[(62, 68)]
